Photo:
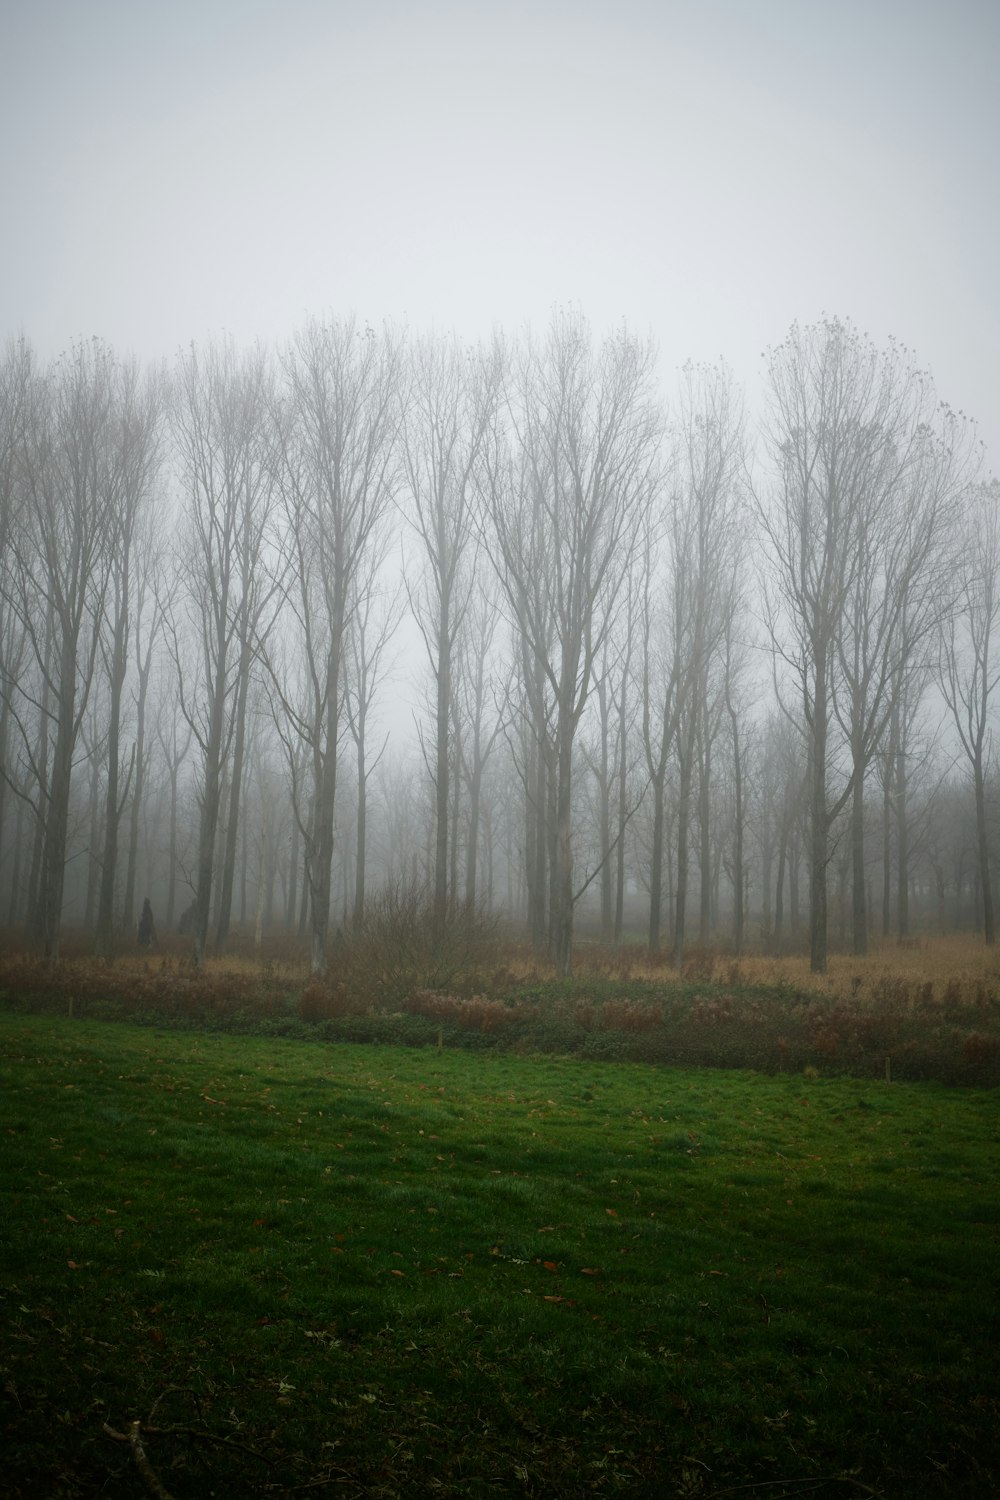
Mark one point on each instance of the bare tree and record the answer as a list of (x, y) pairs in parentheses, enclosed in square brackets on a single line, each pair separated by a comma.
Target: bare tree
[(897, 593), (136, 423), (15, 377), (734, 693), (222, 402), (338, 478), (446, 409), (565, 528), (704, 539), (970, 664), (609, 759), (174, 746), (482, 713), (55, 586), (903, 762), (665, 615), (848, 435), (377, 616), (149, 616)]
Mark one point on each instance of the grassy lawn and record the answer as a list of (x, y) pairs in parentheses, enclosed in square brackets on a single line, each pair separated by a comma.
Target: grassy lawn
[(369, 1271)]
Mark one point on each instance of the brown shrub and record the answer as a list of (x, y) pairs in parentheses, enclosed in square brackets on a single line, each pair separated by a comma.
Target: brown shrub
[(324, 1001), (630, 1015), (982, 1051), (470, 1013)]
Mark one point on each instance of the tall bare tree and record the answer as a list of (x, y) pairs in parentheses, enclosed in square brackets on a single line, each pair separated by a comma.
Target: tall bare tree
[(174, 737), (566, 527), (15, 376), (709, 464), (221, 409), (149, 616), (55, 586), (848, 435), (898, 591), (970, 662), (136, 422), (376, 618), (446, 409), (339, 477), (481, 696)]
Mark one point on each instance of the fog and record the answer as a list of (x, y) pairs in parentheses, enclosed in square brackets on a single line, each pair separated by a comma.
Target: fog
[(710, 172), (492, 218)]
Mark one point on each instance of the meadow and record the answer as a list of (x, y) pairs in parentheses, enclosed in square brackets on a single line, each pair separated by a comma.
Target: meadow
[(247, 1265)]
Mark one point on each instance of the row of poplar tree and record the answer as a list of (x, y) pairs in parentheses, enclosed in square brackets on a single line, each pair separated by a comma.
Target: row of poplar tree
[(668, 638)]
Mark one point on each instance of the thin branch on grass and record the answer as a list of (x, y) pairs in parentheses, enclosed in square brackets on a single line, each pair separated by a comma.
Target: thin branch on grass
[(804, 1485), (146, 1471), (210, 1437)]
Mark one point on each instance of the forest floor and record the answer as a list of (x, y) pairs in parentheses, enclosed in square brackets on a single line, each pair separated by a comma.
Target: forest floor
[(240, 1266)]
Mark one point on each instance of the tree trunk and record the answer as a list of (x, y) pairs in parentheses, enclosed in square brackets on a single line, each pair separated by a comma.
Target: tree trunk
[(441, 784), (235, 794), (859, 909), (887, 822), (902, 848), (472, 847), (319, 854), (112, 803), (779, 891), (57, 822), (704, 845), (138, 792), (211, 801), (982, 843), (622, 811), (94, 857), (818, 826), (686, 759), (738, 889), (562, 948), (656, 870), (361, 834)]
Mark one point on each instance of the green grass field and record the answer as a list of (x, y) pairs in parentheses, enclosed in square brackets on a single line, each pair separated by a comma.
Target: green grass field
[(366, 1271)]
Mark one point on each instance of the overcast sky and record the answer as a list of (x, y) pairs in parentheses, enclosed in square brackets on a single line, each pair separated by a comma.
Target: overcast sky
[(708, 170)]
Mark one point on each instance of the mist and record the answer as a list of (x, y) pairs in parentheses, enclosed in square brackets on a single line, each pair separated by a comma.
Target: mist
[(419, 469)]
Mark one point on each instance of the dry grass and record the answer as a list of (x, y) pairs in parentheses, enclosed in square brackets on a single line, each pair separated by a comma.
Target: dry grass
[(942, 961), (932, 1007), (957, 967), (955, 970)]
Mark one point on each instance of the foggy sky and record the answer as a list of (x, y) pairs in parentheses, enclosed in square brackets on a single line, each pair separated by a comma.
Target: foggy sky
[(709, 170)]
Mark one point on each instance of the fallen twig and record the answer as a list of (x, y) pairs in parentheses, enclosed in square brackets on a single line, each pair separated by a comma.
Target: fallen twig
[(148, 1474), (803, 1485), (210, 1437)]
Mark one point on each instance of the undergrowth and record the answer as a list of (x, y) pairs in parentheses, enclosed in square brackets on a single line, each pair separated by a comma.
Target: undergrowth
[(396, 979)]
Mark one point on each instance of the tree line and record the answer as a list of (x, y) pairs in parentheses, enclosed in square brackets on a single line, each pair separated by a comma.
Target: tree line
[(681, 667)]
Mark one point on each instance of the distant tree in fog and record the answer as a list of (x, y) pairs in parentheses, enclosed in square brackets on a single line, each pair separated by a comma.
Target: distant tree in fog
[(148, 621), (174, 735), (221, 417), (135, 435), (55, 585), (970, 662), (377, 614), (447, 405), (481, 707), (15, 371), (573, 460), (338, 476), (853, 521), (708, 550)]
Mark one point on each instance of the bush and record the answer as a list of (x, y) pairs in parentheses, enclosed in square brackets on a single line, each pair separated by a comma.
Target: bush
[(397, 949)]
